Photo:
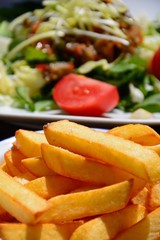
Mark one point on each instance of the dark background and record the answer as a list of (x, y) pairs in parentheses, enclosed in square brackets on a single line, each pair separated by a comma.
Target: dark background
[(9, 9)]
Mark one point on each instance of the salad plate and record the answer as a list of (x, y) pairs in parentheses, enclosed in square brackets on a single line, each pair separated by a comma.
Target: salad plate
[(38, 119), (148, 8)]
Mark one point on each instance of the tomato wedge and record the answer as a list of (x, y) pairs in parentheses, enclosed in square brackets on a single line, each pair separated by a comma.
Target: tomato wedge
[(80, 95), (155, 64)]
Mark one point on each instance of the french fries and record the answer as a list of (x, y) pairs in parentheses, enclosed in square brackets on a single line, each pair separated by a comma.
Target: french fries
[(138, 133), (156, 148), (29, 142), (148, 228), (13, 197), (51, 186), (14, 156), (36, 166), (72, 165), (154, 197), (106, 148), (105, 227), (49, 231), (75, 183), (13, 160), (142, 198), (88, 203)]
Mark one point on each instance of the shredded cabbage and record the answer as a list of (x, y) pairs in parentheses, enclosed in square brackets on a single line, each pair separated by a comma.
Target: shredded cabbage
[(29, 77), (65, 17), (7, 85)]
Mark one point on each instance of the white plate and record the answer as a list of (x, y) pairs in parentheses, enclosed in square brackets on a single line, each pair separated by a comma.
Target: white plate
[(37, 119), (150, 8), (4, 146)]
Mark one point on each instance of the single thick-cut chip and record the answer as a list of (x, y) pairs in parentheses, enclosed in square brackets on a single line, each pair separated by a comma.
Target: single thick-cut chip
[(87, 203), (29, 142), (147, 229), (78, 167), (50, 186), (155, 148), (20, 202), (19, 231), (125, 154), (37, 166), (16, 169), (142, 198), (154, 196), (107, 226), (5, 168), (16, 157), (13, 170), (138, 133)]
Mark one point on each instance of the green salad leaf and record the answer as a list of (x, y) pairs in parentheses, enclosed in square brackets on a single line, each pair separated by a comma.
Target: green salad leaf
[(151, 103), (22, 99), (36, 55)]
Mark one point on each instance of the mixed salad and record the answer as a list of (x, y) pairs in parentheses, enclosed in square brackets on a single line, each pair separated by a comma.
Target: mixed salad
[(49, 58)]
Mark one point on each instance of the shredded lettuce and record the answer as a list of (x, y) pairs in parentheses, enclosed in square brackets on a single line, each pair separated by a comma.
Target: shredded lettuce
[(7, 85), (4, 29), (66, 17), (91, 65), (28, 77)]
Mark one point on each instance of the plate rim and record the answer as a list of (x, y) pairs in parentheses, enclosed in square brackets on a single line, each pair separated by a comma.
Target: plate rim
[(21, 115)]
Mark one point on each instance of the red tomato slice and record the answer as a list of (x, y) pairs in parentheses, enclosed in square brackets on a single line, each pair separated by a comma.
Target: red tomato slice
[(80, 95), (155, 64)]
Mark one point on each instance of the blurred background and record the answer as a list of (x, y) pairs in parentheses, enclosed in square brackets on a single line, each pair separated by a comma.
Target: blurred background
[(9, 9), (149, 8)]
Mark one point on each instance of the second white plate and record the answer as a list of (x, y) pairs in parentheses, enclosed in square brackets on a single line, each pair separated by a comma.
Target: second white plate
[(37, 119)]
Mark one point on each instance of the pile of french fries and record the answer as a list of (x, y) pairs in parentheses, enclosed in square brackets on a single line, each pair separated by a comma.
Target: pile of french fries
[(72, 182)]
